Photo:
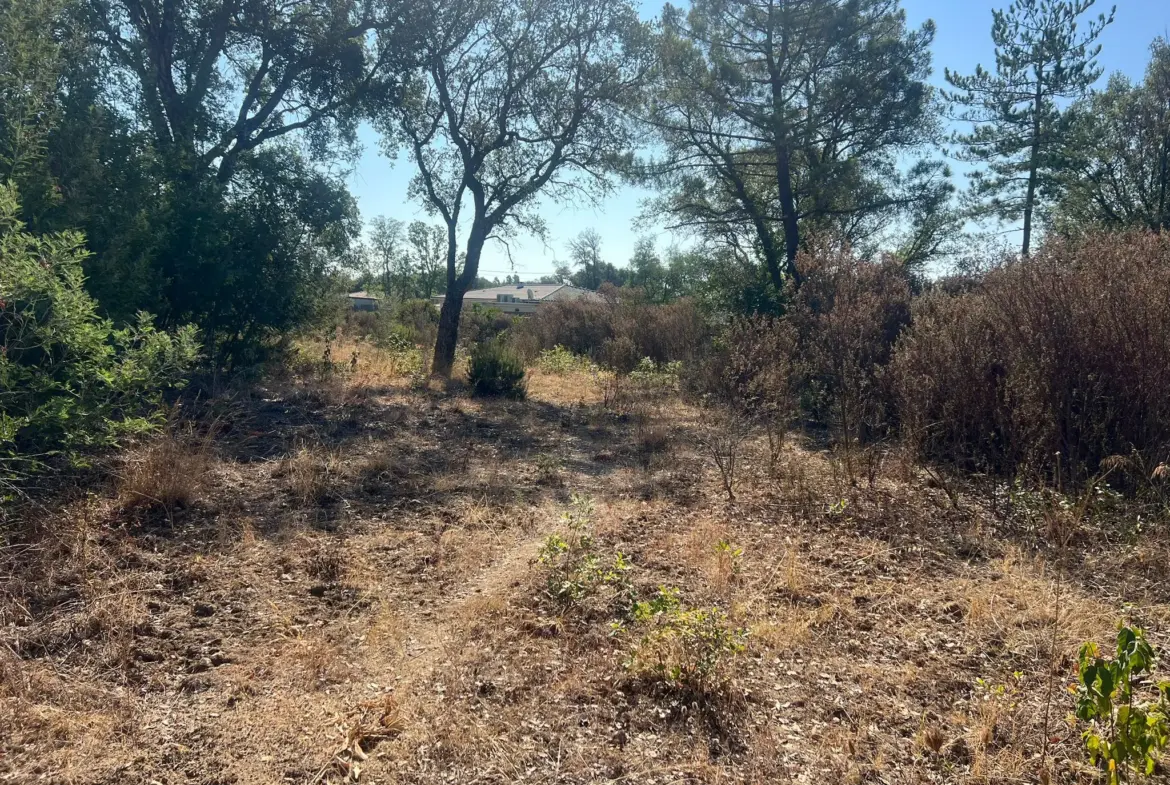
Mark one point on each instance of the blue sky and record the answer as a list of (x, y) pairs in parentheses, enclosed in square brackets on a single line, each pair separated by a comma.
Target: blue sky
[(963, 40)]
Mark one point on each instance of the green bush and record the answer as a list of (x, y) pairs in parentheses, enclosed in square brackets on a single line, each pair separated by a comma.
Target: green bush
[(1127, 730), (493, 371), (575, 571), (69, 381), (560, 361), (420, 316), (687, 649)]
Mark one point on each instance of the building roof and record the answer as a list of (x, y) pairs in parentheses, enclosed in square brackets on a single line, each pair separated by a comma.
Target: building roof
[(540, 291), (363, 296)]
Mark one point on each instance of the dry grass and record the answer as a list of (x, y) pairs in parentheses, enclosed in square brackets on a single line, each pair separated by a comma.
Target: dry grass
[(398, 631), (168, 471), (309, 472)]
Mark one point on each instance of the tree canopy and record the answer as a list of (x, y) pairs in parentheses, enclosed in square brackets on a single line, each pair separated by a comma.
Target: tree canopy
[(1020, 127), (512, 100), (772, 132)]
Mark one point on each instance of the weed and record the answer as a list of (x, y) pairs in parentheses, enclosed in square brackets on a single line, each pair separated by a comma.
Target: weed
[(308, 473), (548, 469), (575, 571), (996, 706), (933, 739), (651, 440), (560, 361), (728, 562), (327, 563), (1127, 713), (168, 471), (651, 377), (684, 648)]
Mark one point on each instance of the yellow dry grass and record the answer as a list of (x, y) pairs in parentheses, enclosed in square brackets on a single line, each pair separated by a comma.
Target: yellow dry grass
[(384, 591), (168, 470)]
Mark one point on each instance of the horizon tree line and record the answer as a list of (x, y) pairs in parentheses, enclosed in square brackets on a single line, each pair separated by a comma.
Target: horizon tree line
[(202, 149)]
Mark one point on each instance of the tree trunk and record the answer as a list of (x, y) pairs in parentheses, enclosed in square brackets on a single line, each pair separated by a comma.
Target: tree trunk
[(788, 212), (457, 286), (1033, 164), (1163, 221), (448, 335), (784, 185)]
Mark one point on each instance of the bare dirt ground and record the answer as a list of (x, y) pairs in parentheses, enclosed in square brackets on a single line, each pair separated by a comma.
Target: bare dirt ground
[(350, 590)]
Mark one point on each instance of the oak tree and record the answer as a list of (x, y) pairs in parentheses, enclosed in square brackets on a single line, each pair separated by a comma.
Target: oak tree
[(514, 98)]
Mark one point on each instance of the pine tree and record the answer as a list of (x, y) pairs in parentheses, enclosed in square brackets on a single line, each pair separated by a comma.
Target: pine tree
[(1040, 60)]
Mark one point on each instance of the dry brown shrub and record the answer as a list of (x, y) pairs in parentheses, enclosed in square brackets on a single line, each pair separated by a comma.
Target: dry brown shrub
[(722, 435), (619, 330), (848, 315), (754, 372), (1066, 353)]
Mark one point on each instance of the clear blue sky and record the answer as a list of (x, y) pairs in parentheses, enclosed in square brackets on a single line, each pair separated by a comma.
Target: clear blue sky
[(963, 40)]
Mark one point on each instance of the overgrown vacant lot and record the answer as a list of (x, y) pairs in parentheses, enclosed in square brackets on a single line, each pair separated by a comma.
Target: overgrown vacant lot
[(326, 580)]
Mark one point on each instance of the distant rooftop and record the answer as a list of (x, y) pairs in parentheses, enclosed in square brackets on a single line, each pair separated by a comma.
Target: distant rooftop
[(523, 298), (519, 290), (364, 296)]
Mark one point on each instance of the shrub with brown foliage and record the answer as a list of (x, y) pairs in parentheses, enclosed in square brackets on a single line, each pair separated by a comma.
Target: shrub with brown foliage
[(1065, 353), (848, 314), (753, 371), (619, 330)]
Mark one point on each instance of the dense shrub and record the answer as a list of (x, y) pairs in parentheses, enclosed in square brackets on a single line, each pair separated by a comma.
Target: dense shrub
[(421, 316), (479, 324), (69, 381), (381, 329), (494, 370), (848, 314), (618, 330), (752, 370), (581, 326), (752, 366), (1065, 353)]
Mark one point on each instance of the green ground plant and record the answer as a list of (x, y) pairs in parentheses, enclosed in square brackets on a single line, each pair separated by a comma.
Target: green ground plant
[(575, 570), (651, 377), (559, 361), (1126, 710), (688, 649)]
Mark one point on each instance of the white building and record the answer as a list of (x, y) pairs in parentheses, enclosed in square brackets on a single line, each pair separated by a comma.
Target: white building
[(522, 298)]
